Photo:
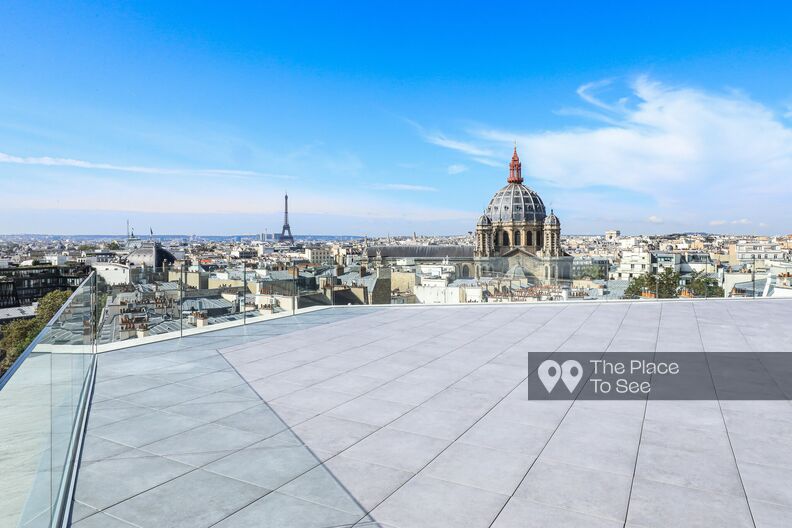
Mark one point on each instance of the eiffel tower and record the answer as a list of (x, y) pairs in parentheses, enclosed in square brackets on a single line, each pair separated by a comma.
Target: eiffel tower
[(286, 234)]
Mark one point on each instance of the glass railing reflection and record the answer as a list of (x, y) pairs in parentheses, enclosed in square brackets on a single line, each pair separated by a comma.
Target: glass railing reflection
[(42, 407)]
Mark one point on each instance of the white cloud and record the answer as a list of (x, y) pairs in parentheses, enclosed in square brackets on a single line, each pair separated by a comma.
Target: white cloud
[(717, 222), (82, 164), (456, 168), (688, 154), (741, 221), (653, 219)]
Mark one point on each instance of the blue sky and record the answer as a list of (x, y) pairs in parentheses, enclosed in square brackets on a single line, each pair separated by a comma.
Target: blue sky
[(192, 118)]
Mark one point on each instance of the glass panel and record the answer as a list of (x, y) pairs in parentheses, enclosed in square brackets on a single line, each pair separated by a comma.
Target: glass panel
[(42, 402)]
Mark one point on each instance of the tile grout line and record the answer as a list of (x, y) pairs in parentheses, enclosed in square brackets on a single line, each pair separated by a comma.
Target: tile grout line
[(323, 463), (560, 421), (506, 395), (448, 386), (643, 422), (195, 468), (725, 425)]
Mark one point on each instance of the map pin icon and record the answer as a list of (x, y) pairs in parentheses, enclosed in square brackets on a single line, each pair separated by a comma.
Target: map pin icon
[(571, 372), (547, 378)]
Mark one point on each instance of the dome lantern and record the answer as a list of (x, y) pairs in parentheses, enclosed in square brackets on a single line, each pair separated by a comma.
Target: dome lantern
[(515, 168)]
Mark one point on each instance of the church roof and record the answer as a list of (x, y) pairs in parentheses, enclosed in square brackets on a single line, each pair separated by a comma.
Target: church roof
[(428, 252)]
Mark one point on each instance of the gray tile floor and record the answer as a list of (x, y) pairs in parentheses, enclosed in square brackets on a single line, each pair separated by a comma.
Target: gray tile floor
[(418, 417)]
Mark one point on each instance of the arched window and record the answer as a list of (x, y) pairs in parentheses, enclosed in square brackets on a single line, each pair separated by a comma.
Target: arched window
[(465, 272), (505, 238), (517, 238), (529, 238)]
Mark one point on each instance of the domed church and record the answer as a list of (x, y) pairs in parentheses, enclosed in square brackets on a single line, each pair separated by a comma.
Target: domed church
[(516, 236)]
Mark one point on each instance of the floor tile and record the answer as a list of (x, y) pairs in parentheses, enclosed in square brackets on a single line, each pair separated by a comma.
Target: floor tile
[(424, 502), (196, 499)]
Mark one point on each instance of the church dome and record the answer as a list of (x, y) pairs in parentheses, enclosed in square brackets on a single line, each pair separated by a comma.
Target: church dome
[(552, 220), (484, 221), (516, 202)]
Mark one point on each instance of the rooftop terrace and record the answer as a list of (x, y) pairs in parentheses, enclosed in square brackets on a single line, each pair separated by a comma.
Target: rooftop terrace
[(418, 417), (395, 417)]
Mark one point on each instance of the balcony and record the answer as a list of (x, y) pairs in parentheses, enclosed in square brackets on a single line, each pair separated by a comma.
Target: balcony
[(395, 417)]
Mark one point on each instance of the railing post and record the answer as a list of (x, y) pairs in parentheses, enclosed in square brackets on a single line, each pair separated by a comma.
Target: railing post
[(182, 280)]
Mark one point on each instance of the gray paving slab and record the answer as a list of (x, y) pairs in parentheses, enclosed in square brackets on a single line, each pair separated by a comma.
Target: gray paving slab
[(480, 467), (577, 489), (397, 449), (655, 504), (426, 502), (367, 482), (370, 410), (265, 465), (146, 428), (107, 482), (278, 510), (198, 498), (203, 444), (332, 434), (520, 513)]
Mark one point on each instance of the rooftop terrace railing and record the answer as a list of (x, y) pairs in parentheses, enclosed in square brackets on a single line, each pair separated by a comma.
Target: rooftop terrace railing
[(165, 302), (43, 407)]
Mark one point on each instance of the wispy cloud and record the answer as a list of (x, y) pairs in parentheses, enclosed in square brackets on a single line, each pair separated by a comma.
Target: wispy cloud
[(654, 219), (456, 168), (586, 92), (48, 161), (403, 187), (460, 146), (478, 153)]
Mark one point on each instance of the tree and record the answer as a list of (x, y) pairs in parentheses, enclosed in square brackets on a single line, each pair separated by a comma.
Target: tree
[(592, 272), (703, 286), (665, 284), (17, 335), (113, 246)]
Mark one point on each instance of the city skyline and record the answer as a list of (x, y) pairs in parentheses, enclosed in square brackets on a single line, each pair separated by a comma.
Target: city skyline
[(197, 121)]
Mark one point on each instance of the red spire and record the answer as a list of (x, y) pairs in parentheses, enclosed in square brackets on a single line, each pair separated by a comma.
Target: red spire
[(515, 168)]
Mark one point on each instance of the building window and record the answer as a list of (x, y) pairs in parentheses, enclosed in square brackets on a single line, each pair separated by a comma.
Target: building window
[(505, 238), (517, 238)]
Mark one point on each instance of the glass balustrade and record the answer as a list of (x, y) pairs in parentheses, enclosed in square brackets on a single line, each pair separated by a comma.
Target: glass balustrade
[(43, 399)]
